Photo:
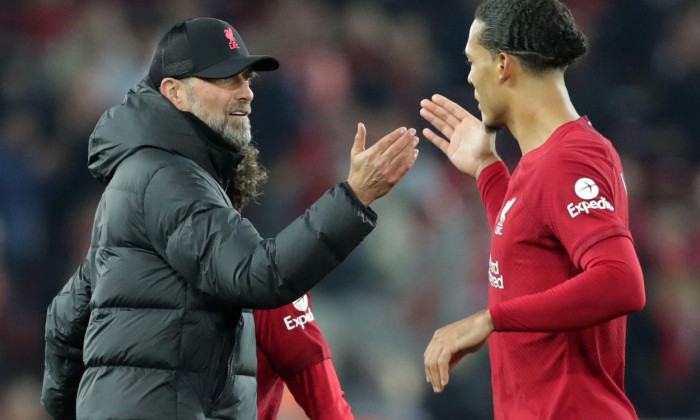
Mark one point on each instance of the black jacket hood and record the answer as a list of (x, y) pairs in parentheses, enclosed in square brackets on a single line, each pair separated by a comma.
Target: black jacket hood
[(147, 119)]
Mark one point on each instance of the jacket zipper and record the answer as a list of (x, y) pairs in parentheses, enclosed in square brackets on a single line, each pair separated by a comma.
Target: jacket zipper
[(229, 369)]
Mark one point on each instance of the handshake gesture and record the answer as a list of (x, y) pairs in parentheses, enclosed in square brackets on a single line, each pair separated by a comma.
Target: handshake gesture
[(375, 171)]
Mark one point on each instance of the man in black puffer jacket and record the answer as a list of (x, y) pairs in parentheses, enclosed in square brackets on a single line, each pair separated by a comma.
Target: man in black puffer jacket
[(152, 325)]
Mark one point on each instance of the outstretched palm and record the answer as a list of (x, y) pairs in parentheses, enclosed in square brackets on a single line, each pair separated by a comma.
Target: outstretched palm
[(376, 170), (470, 147)]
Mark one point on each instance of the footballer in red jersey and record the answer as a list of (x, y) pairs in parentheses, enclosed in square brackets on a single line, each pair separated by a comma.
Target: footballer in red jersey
[(291, 350), (562, 271)]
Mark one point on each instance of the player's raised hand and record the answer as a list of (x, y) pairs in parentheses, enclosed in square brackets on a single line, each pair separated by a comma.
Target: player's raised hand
[(375, 171), (468, 146)]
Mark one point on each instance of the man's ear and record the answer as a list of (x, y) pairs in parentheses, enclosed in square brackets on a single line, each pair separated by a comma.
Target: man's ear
[(506, 66), (174, 91)]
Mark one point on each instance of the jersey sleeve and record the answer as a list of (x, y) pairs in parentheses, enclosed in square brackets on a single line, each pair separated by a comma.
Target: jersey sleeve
[(493, 185), (290, 337), (609, 265), (317, 390), (291, 347), (270, 387), (584, 199)]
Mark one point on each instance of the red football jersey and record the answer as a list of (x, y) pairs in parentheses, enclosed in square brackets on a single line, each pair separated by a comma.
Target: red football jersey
[(563, 198), (291, 349)]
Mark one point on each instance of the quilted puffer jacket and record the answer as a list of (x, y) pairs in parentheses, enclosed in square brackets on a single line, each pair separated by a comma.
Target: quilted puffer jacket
[(152, 325)]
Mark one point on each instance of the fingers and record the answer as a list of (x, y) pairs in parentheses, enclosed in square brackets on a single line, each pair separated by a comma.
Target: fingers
[(452, 107), (430, 366), (402, 164), (401, 148), (360, 137), (428, 112), (401, 156), (443, 369), (445, 115), (385, 142), (437, 365), (397, 150), (438, 141)]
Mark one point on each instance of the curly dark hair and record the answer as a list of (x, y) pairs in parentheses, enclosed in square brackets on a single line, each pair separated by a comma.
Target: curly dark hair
[(540, 33), (248, 180)]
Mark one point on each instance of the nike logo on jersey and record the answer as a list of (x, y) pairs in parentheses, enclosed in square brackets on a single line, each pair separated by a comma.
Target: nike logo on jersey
[(502, 220), (587, 189)]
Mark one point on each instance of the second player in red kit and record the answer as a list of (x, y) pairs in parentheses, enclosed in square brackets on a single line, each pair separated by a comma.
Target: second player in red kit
[(562, 270), (550, 273)]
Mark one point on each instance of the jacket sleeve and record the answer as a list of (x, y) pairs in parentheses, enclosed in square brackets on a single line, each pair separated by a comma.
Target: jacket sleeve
[(66, 321), (193, 227)]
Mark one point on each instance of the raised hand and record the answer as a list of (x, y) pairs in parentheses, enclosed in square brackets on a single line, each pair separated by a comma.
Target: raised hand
[(451, 343), (375, 171), (470, 148)]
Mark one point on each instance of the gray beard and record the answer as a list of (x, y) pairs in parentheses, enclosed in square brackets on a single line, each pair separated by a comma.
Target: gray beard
[(236, 133)]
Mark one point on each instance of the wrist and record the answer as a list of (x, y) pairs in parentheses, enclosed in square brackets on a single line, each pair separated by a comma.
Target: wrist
[(359, 194), (487, 320), (484, 164)]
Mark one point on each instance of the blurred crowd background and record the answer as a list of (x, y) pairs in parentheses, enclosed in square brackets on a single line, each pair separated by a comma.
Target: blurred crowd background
[(64, 62)]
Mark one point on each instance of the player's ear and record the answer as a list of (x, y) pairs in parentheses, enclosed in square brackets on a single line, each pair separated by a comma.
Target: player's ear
[(505, 64), (175, 91)]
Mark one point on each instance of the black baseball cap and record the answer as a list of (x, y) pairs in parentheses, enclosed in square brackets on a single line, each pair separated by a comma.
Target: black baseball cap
[(204, 47)]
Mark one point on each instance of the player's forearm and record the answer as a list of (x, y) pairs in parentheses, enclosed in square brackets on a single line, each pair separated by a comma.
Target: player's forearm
[(493, 185), (609, 287)]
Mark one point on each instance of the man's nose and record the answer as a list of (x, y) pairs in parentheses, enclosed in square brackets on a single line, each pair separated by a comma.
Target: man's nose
[(243, 91)]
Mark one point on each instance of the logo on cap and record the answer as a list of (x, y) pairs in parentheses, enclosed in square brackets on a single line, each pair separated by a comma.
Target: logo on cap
[(232, 44)]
